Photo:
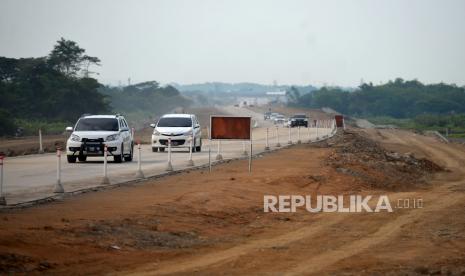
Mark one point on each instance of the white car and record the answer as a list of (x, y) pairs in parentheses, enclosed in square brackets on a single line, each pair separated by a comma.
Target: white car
[(279, 119), (179, 128), (91, 133), (273, 116)]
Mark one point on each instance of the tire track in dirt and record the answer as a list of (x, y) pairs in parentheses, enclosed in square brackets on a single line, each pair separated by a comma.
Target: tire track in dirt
[(216, 258), (442, 199), (384, 233)]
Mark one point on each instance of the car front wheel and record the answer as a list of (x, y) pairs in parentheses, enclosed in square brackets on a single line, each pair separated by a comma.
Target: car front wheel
[(119, 158), (131, 154), (199, 147), (71, 158)]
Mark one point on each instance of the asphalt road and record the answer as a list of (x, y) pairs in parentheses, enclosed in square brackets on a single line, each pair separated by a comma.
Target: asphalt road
[(33, 177)]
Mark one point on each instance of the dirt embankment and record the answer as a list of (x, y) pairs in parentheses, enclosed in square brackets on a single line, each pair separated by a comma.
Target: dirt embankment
[(361, 157), (30, 145), (214, 223)]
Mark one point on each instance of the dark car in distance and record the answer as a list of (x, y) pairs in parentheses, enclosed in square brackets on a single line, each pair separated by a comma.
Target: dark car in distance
[(298, 120)]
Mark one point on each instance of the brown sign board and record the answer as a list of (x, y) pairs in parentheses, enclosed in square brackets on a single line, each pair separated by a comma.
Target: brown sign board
[(230, 128)]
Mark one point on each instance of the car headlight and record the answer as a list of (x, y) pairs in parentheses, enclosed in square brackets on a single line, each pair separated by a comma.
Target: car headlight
[(156, 132), (113, 137), (188, 133), (75, 138)]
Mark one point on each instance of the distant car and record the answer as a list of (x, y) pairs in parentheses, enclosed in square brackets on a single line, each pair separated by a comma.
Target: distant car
[(236, 105), (298, 120), (279, 119), (273, 115), (267, 115), (91, 133), (179, 128)]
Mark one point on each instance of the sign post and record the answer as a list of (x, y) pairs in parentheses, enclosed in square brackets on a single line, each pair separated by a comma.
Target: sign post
[(2, 196)]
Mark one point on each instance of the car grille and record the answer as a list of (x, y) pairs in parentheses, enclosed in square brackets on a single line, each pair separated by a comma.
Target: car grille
[(179, 142), (166, 134), (92, 140)]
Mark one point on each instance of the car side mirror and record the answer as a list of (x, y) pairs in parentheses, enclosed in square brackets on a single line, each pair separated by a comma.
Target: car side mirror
[(197, 126), (69, 129), (152, 125)]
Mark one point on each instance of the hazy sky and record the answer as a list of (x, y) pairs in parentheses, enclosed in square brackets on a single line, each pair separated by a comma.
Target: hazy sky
[(300, 42)]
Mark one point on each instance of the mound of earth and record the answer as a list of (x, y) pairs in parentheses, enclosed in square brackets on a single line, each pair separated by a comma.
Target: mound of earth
[(364, 158)]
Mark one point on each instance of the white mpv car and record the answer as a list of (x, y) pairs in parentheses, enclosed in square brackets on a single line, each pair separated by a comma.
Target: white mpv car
[(91, 133), (180, 128)]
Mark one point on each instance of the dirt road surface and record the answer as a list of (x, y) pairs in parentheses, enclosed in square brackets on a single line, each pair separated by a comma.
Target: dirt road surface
[(210, 224)]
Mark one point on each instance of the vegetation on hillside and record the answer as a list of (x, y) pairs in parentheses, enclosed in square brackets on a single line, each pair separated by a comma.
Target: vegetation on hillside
[(408, 104), (55, 88), (397, 99), (54, 91), (142, 101)]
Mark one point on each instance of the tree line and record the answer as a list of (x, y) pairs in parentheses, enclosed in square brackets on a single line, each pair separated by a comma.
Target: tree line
[(60, 87), (396, 99)]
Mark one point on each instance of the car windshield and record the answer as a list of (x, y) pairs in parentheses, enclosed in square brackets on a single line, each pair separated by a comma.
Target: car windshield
[(300, 116), (97, 124), (174, 122)]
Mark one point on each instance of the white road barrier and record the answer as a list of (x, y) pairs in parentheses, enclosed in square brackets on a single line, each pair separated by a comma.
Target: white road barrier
[(41, 146), (277, 138), (267, 146), (139, 173), (317, 124), (298, 135), (58, 186), (218, 154), (290, 138), (190, 162), (105, 179), (244, 150), (169, 166), (2, 197), (308, 133)]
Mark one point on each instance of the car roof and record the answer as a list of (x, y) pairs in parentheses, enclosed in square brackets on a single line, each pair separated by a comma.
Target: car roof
[(177, 115), (102, 116)]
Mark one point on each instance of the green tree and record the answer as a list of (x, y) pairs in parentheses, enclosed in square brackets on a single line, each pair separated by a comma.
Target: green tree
[(68, 58)]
